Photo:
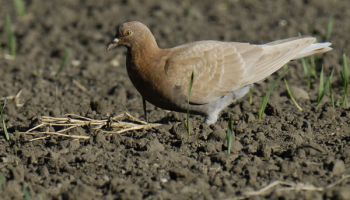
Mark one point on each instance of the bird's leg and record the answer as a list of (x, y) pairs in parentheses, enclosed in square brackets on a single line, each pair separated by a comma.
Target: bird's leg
[(212, 118), (144, 105)]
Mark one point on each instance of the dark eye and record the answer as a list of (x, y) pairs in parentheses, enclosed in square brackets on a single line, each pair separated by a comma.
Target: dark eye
[(127, 33)]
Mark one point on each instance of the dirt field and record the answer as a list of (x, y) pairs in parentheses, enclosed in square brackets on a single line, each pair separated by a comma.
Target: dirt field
[(309, 151)]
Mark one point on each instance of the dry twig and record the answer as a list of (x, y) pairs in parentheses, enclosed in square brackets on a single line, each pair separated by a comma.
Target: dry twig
[(119, 124), (289, 186), (16, 98)]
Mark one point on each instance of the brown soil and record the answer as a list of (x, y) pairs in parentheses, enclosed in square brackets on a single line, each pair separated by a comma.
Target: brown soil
[(310, 147)]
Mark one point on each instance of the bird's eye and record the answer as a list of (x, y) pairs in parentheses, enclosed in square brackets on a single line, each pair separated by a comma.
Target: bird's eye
[(127, 33)]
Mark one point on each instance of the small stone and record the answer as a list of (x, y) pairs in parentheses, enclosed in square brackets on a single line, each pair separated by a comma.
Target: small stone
[(218, 135), (266, 151), (155, 146), (260, 136), (338, 168), (252, 148), (236, 147), (299, 93), (115, 63), (76, 63), (343, 193), (163, 180), (74, 145), (250, 117)]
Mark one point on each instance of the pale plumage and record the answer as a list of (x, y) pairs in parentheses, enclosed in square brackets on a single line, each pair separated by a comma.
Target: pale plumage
[(223, 71)]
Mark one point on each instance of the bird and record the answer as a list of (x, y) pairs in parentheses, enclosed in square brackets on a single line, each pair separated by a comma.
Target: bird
[(217, 73)]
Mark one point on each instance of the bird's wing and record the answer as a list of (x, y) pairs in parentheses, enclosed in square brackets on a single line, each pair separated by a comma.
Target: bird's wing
[(222, 67), (274, 56), (218, 68)]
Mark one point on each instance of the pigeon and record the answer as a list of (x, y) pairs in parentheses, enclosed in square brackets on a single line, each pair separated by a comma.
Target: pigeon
[(203, 77)]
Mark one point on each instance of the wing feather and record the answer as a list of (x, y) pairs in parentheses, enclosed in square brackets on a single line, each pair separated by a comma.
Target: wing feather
[(222, 67), (217, 66)]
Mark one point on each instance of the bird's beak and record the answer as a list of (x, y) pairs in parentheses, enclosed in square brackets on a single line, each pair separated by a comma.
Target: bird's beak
[(113, 44)]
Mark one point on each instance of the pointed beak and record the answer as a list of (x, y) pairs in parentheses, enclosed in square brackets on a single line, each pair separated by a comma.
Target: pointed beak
[(113, 44)]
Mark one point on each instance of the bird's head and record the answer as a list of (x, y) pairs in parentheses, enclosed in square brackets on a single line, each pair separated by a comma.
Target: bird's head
[(131, 34)]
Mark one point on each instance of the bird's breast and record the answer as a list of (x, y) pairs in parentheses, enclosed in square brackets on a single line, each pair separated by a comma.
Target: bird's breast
[(152, 84)]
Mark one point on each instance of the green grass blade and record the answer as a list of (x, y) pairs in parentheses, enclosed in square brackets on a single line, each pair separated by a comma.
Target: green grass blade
[(190, 86), (345, 79), (2, 120), (251, 91), (321, 89), (20, 7), (0, 43), (26, 194), (188, 123), (330, 28), (330, 89), (306, 67), (266, 99), (230, 136), (308, 71), (313, 71), (2, 181), (11, 39), (13, 46), (290, 93), (64, 62)]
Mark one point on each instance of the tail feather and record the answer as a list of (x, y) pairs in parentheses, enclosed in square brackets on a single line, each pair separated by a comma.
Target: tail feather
[(278, 53), (316, 48)]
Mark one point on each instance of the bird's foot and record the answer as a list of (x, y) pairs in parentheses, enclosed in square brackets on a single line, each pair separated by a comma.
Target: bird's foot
[(211, 118)]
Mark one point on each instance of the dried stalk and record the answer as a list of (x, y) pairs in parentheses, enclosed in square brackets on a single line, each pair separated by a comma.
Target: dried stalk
[(119, 124), (289, 186)]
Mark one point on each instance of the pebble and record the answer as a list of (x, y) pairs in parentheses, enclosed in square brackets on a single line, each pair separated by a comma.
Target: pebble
[(299, 93), (338, 168)]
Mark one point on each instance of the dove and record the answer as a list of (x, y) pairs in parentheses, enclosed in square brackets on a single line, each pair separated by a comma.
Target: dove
[(222, 72)]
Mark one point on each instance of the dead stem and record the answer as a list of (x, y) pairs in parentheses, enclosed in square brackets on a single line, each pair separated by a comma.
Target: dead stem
[(16, 98), (289, 186), (119, 124)]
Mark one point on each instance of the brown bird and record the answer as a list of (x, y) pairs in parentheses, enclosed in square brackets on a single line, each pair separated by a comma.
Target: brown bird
[(222, 71)]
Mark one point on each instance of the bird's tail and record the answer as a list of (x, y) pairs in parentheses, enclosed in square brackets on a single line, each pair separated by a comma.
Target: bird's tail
[(316, 48), (278, 53)]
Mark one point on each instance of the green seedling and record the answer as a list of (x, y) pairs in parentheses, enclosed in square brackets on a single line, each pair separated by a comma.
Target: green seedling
[(306, 67), (329, 28), (230, 136), (345, 79), (2, 181), (187, 122), (64, 62), (330, 89), (0, 43), (325, 87), (267, 96), (20, 7), (321, 88), (250, 96), (11, 38), (309, 67), (313, 66), (2, 121), (26, 193), (290, 94)]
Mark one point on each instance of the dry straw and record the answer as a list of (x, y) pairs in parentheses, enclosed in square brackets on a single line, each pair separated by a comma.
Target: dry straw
[(115, 125)]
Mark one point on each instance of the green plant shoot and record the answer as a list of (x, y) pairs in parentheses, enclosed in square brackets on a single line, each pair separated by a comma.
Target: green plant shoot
[(188, 123), (290, 93), (230, 136), (11, 38)]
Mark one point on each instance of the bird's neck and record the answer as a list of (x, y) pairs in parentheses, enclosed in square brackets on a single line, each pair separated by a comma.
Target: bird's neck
[(144, 52)]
